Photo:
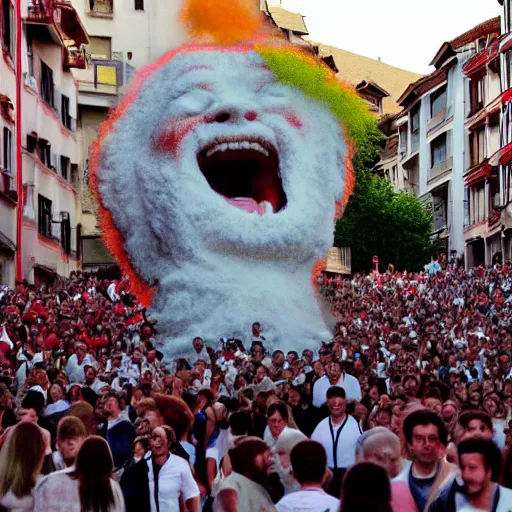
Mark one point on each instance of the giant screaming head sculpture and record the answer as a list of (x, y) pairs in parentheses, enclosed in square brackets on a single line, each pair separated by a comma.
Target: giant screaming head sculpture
[(220, 177)]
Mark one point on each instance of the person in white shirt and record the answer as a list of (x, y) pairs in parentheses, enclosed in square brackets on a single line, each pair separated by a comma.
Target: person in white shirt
[(480, 465), (200, 351), (169, 476), (77, 362), (277, 423), (309, 465), (338, 434), (334, 376)]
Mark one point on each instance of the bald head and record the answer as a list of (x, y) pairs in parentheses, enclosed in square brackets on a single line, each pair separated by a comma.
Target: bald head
[(380, 446)]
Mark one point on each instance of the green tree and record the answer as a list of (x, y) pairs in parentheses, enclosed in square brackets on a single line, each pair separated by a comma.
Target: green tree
[(378, 221)]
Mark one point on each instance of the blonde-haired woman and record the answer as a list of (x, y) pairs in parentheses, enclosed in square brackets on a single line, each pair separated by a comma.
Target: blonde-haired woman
[(21, 460)]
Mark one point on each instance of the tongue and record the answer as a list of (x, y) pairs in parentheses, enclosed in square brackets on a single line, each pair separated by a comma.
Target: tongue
[(247, 204)]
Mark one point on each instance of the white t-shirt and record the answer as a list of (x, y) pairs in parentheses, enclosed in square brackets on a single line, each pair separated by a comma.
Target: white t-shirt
[(175, 478), (346, 449), (308, 500), (349, 383)]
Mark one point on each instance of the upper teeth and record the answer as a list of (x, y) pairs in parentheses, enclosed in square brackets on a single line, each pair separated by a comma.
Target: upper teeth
[(237, 146)]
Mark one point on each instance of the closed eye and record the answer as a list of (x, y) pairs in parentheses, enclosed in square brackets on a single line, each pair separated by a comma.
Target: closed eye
[(195, 101)]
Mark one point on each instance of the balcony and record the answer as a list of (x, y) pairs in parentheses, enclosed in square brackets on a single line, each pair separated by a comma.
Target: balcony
[(7, 185), (40, 12), (440, 169), (74, 58)]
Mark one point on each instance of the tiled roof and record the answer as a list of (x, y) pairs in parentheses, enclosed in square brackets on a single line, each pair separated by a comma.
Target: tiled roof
[(288, 20), (354, 69), (481, 30), (424, 84)]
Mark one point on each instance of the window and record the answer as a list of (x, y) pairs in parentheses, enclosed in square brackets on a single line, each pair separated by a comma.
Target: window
[(415, 120), (476, 142), (65, 165), (7, 159), (45, 152), (8, 27), (65, 232), (438, 150), (481, 44), (101, 6), (139, 5), (438, 101), (47, 91), (440, 200), (99, 47), (74, 175), (64, 112), (44, 219), (477, 203), (477, 95)]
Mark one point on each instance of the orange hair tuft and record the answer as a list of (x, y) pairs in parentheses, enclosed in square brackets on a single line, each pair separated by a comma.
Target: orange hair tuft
[(223, 22)]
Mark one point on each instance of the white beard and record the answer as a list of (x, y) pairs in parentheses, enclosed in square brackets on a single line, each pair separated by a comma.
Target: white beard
[(225, 300)]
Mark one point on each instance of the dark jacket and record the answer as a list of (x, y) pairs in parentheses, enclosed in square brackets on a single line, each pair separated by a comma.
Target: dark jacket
[(119, 438)]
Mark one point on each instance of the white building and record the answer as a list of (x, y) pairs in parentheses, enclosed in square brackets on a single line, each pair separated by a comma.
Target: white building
[(504, 160), (52, 39), (434, 133)]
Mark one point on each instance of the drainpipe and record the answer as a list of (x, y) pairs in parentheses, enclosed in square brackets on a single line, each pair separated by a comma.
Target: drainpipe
[(19, 170)]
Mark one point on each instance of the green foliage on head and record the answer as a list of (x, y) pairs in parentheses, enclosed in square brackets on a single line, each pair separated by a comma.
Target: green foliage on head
[(297, 69)]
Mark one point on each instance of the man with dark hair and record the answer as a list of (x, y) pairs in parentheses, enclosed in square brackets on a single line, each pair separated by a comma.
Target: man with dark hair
[(117, 430), (309, 465), (277, 422), (427, 474), (71, 434), (245, 488), (480, 464), (335, 376), (337, 434), (476, 424)]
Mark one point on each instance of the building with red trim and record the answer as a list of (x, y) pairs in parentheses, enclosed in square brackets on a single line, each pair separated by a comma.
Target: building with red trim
[(52, 44), (503, 158), (447, 133)]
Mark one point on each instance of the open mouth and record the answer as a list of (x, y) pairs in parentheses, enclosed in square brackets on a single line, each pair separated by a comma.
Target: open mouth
[(245, 172)]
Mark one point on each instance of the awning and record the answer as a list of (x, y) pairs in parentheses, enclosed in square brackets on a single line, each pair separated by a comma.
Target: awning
[(478, 173), (70, 24), (506, 96), (502, 157), (481, 59), (6, 244), (489, 110)]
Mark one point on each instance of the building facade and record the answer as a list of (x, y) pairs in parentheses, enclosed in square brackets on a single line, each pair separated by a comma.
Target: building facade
[(52, 40), (504, 157), (445, 114)]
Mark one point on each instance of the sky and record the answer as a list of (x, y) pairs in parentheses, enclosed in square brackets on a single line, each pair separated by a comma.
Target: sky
[(403, 33)]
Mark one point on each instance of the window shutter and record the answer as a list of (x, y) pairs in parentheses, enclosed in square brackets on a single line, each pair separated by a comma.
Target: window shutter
[(73, 124), (53, 161)]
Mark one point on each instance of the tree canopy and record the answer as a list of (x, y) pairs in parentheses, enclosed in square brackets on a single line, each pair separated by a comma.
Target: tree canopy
[(395, 226)]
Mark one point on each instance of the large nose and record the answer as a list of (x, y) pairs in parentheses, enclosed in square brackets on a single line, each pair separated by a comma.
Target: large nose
[(231, 114)]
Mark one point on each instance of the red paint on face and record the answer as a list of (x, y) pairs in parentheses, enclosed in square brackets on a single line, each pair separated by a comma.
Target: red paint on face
[(171, 137), (294, 121)]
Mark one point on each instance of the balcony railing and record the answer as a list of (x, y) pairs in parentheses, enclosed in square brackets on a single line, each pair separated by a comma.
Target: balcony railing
[(440, 168), (40, 11), (7, 184)]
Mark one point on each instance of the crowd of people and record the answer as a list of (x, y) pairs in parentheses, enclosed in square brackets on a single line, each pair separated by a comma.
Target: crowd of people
[(407, 408)]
